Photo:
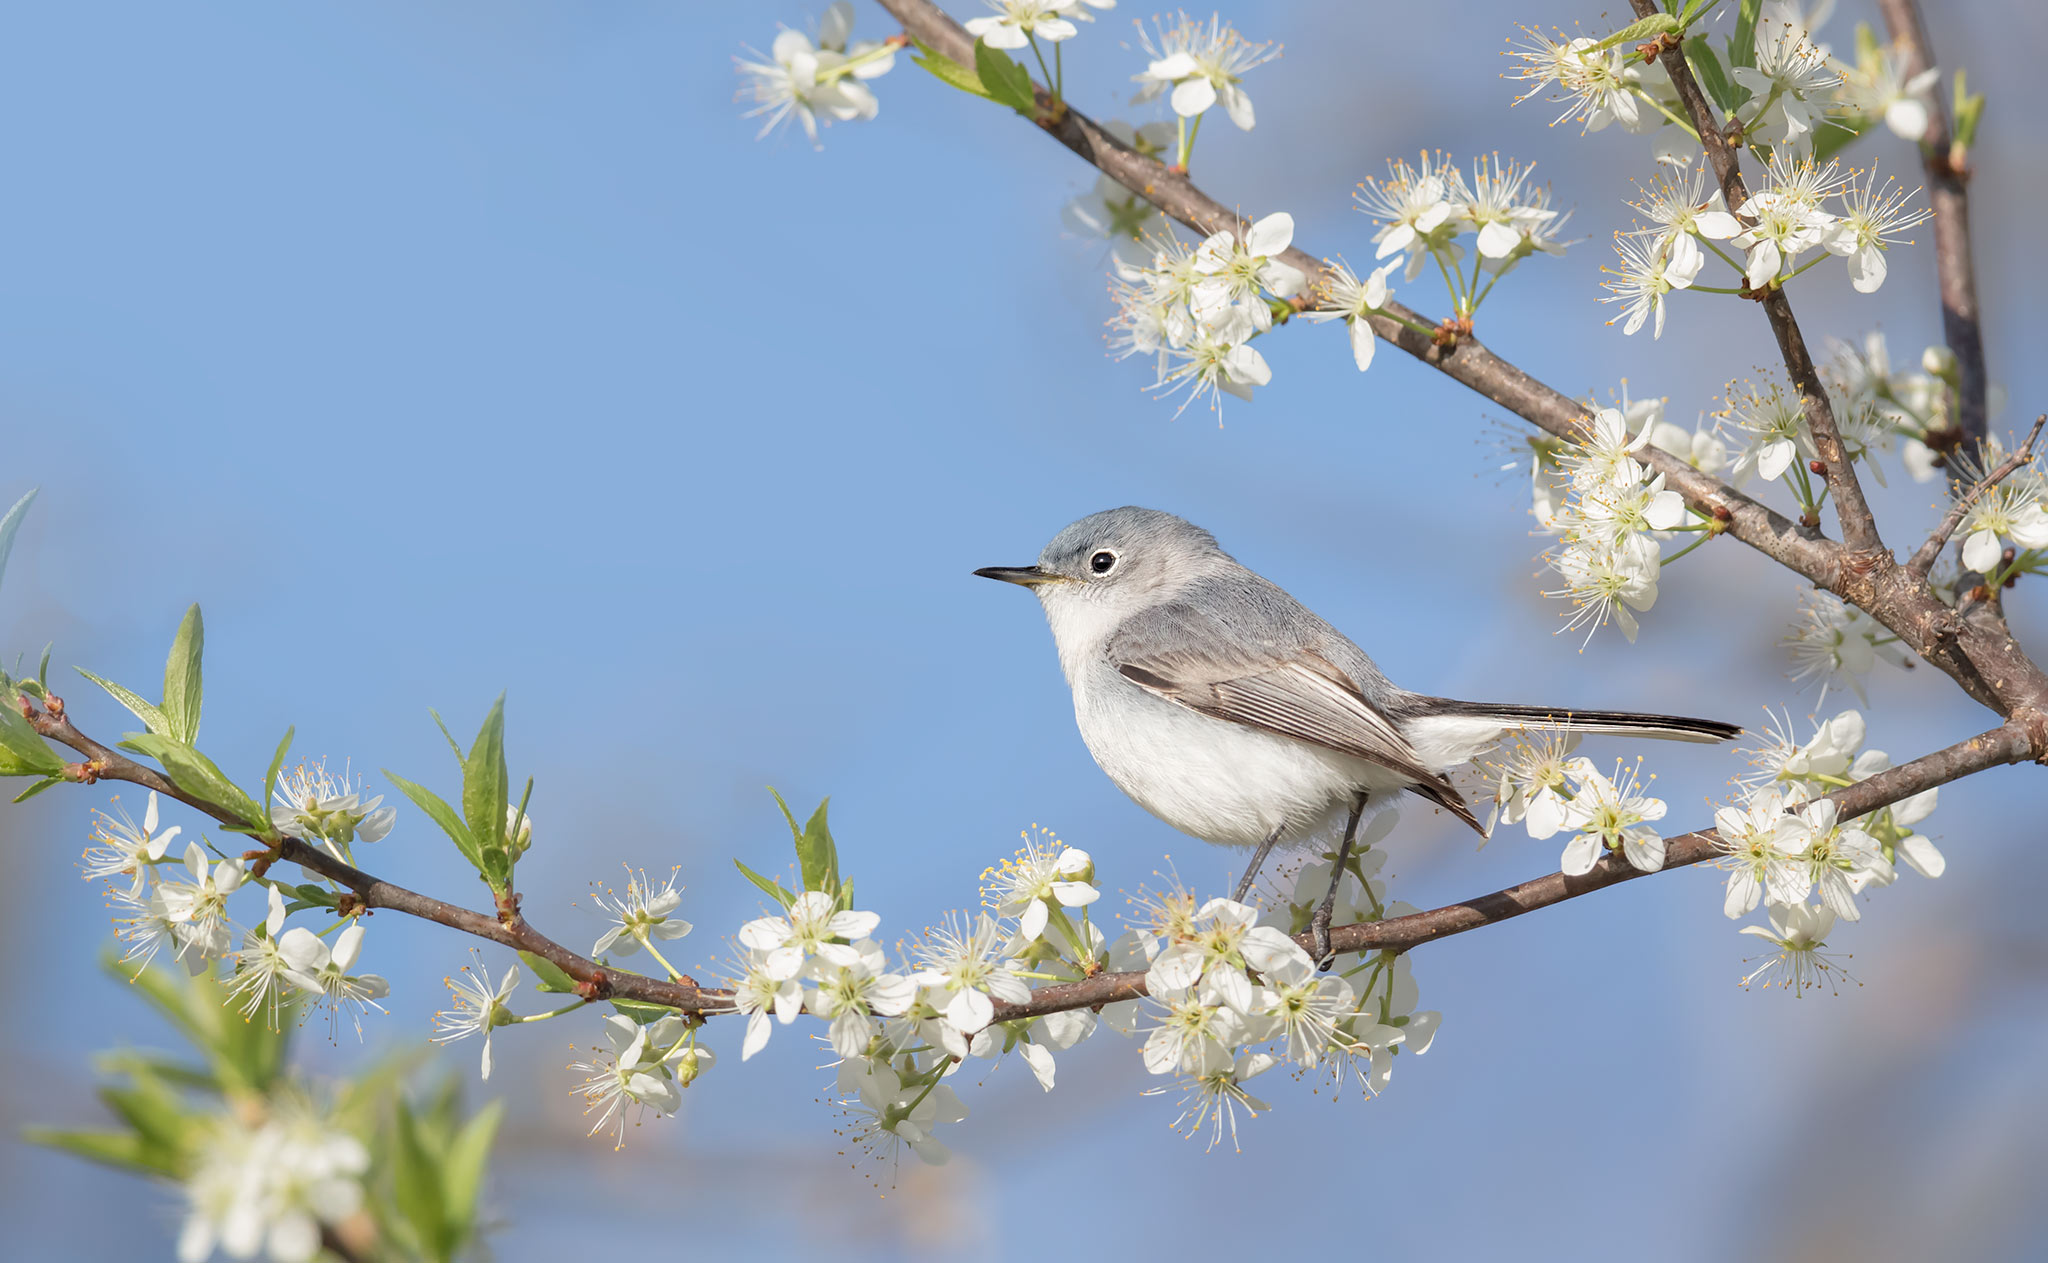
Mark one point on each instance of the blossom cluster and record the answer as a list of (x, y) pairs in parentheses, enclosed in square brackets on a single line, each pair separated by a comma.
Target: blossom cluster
[(179, 903), (1785, 846), (1423, 209), (268, 1189), (1792, 93), (1547, 788), (817, 79), (1610, 514), (1230, 994)]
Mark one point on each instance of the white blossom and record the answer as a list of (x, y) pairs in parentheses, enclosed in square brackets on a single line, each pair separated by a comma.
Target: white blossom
[(267, 1188), (1873, 216), (1597, 85), (1613, 814), (479, 1006), (1798, 931), (344, 993), (317, 806), (1028, 886), (127, 849), (641, 913), (849, 989), (1016, 22), (1413, 205), (814, 926), (1202, 64), (1346, 298), (809, 81), (1762, 849)]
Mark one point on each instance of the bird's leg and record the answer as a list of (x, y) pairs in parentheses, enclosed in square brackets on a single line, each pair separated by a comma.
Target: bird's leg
[(1321, 922), (1251, 872)]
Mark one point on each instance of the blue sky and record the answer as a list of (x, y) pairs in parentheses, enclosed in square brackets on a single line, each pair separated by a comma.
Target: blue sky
[(445, 348)]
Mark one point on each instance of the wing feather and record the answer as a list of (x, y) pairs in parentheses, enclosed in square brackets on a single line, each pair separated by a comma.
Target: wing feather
[(1305, 698)]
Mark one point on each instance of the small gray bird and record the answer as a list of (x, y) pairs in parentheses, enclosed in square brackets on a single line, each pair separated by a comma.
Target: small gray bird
[(1228, 710)]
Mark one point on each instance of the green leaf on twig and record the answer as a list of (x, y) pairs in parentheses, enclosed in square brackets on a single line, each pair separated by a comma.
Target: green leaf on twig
[(1004, 80), (483, 795), (1742, 44), (23, 752), (12, 523), (152, 718), (200, 777), (182, 678), (948, 71), (547, 974), (1641, 31), (442, 814), (1712, 76), (773, 889)]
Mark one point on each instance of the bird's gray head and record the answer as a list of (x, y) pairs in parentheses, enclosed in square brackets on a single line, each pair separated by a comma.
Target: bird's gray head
[(1116, 562)]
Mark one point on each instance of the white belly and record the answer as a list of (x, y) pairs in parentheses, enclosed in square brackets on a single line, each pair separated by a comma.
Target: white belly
[(1210, 778)]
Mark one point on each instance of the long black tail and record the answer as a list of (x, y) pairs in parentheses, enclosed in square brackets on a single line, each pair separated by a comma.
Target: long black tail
[(1621, 722)]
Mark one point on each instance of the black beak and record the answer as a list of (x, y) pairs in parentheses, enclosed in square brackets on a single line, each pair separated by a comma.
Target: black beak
[(1025, 576)]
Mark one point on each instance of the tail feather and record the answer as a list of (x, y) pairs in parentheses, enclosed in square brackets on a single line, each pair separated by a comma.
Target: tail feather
[(1617, 722)]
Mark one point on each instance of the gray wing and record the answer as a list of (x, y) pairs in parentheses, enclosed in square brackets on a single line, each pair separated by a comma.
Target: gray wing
[(1241, 660)]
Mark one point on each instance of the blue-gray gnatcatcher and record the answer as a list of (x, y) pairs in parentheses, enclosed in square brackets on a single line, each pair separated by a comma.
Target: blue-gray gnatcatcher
[(1228, 710)]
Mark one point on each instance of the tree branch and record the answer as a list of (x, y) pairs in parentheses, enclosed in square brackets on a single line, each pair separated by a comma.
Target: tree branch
[(1466, 361), (1979, 654), (1859, 525), (1948, 193), (2011, 743), (1930, 552)]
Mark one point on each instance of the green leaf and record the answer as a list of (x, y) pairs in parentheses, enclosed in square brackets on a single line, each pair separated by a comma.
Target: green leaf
[(120, 1149), (462, 1172), (416, 1180), (1742, 44), (181, 677), (152, 718), (948, 71), (1004, 79), (817, 857), (276, 764), (38, 788), (23, 752), (773, 889), (483, 794), (453, 744), (643, 1013), (198, 776), (1641, 30), (549, 976), (441, 814), (1707, 67), (1692, 10), (43, 668), (1969, 112), (12, 523)]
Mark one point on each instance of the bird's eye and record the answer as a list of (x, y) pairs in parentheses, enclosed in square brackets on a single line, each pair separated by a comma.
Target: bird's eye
[(1102, 562)]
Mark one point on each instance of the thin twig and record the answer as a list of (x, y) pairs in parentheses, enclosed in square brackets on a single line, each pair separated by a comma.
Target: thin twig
[(1930, 552), (1948, 193), (1859, 525), (2010, 743)]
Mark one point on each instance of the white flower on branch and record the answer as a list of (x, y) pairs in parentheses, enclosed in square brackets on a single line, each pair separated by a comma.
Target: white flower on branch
[(1839, 858), (642, 913), (1895, 826), (849, 988), (344, 994), (1793, 78), (1613, 814), (479, 1006), (1493, 205), (1044, 875), (1836, 644), (1015, 22), (2015, 510), (1603, 585), (263, 971), (756, 993), (1110, 212), (1799, 931), (1789, 215), (814, 926), (1699, 447), (961, 969), (199, 908), (1597, 85), (1413, 206), (1346, 298), (633, 1075), (1874, 88), (1762, 850), (807, 80), (886, 1112), (1202, 64), (1224, 944), (127, 849), (1232, 275), (1213, 1091), (1821, 764), (1535, 783), (1873, 216), (328, 811), (1053, 1033), (1774, 435), (1682, 209), (1649, 270), (1309, 1008)]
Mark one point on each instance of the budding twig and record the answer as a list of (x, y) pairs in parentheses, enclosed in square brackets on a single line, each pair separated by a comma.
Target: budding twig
[(1922, 562)]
